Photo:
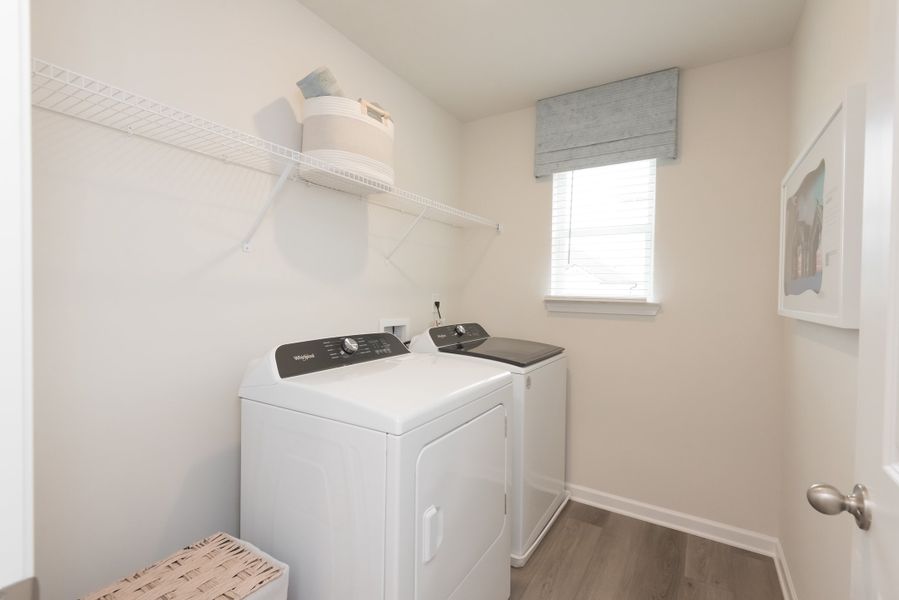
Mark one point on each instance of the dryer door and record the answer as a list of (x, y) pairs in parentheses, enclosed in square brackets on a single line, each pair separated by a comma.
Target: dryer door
[(461, 537)]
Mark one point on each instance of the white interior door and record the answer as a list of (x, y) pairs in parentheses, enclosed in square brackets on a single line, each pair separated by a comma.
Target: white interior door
[(16, 562), (875, 565)]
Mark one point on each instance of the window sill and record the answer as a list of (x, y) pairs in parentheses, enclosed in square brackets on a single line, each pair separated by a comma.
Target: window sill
[(601, 306)]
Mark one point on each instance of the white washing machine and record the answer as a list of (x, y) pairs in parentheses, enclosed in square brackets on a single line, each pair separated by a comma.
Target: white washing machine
[(377, 474), (537, 423)]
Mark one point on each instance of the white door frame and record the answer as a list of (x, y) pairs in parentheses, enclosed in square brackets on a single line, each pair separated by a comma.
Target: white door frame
[(16, 456)]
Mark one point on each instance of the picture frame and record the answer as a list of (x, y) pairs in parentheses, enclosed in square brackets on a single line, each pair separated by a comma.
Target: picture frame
[(820, 221)]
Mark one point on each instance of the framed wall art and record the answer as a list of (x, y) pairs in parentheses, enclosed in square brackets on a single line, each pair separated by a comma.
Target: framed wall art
[(820, 221)]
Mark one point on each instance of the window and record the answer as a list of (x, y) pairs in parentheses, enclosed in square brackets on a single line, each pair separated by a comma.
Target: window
[(602, 232)]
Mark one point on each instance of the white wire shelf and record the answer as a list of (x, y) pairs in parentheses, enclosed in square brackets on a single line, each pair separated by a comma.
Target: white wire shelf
[(67, 92)]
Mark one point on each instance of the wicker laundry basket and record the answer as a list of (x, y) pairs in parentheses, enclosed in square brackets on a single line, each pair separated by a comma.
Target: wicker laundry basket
[(217, 568)]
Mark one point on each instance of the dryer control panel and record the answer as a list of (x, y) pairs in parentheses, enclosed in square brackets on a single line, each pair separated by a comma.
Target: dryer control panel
[(301, 358), (448, 335)]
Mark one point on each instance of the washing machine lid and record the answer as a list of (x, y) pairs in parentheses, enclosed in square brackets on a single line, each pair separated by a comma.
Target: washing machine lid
[(393, 391), (471, 339), (521, 353)]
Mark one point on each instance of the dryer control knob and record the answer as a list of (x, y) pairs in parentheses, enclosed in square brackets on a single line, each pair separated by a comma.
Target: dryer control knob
[(349, 345), (460, 330)]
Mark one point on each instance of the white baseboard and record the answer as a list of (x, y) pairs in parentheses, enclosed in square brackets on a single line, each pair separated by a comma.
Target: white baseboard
[(738, 537), (704, 528), (783, 573)]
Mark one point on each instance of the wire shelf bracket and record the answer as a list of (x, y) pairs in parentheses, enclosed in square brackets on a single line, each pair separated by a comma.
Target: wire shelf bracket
[(60, 90), (246, 245), (402, 239)]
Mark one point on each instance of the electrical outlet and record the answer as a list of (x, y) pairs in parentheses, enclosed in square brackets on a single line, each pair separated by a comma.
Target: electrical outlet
[(436, 313)]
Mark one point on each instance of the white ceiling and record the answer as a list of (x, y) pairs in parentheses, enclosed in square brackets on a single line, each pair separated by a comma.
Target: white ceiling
[(482, 57)]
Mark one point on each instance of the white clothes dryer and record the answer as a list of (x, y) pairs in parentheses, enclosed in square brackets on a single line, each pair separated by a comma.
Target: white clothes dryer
[(377, 474), (537, 422)]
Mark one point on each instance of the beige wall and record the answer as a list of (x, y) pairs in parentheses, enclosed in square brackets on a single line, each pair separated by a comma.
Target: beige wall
[(681, 410), (147, 311), (828, 54)]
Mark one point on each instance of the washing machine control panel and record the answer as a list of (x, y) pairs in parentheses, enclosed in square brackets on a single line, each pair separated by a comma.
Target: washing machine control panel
[(448, 335), (301, 358)]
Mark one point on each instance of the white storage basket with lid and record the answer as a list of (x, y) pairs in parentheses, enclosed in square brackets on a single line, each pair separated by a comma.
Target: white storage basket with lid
[(350, 135)]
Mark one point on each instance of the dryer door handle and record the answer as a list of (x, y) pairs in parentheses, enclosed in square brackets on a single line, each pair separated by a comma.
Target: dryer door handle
[(432, 533)]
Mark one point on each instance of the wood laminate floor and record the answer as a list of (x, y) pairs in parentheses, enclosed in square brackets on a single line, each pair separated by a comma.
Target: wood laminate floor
[(592, 554)]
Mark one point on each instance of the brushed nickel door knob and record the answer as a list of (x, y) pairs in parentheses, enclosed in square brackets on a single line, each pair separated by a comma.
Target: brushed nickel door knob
[(829, 500)]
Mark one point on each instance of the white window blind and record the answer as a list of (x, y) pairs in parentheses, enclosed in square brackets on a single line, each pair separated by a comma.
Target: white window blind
[(602, 231)]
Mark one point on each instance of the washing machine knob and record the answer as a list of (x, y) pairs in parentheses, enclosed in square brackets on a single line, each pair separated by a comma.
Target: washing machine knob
[(349, 345), (460, 330)]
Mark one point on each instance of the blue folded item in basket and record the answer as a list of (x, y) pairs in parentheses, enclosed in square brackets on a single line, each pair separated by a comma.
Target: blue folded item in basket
[(320, 82)]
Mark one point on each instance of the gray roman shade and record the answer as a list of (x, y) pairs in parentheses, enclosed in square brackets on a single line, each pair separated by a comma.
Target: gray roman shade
[(628, 120)]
